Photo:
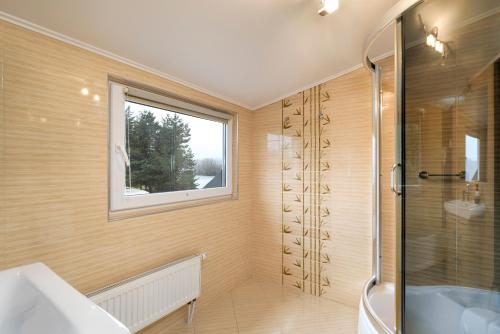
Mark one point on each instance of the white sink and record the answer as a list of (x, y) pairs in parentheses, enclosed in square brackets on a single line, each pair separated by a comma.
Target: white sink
[(33, 299), (466, 210)]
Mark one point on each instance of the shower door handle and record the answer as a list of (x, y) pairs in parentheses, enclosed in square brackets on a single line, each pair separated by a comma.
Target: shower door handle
[(394, 186)]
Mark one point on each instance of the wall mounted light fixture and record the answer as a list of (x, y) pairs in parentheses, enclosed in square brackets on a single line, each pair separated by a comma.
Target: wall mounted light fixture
[(439, 47), (328, 7), (432, 40), (431, 37)]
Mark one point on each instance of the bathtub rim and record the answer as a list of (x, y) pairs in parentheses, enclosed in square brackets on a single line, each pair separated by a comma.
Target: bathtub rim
[(379, 325)]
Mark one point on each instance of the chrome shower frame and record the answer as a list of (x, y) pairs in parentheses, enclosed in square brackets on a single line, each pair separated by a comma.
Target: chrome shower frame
[(376, 203), (392, 17)]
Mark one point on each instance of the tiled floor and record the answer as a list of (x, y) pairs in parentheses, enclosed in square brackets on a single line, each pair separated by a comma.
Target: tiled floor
[(263, 308)]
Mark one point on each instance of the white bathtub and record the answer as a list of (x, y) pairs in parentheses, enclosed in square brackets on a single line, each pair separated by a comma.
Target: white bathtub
[(376, 309), (431, 310)]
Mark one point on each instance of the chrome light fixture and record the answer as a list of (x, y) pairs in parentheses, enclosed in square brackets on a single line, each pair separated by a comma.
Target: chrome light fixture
[(439, 47), (432, 40), (328, 7)]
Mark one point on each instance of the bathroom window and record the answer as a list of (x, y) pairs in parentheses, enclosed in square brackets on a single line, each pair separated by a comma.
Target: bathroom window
[(472, 149), (165, 151)]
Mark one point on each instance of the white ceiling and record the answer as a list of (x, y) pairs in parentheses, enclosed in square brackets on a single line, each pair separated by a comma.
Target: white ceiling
[(250, 52)]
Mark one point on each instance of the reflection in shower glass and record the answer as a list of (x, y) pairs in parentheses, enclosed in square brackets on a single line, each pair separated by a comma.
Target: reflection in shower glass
[(472, 148), (452, 123)]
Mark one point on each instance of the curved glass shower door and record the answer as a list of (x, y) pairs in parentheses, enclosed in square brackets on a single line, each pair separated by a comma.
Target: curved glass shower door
[(451, 167)]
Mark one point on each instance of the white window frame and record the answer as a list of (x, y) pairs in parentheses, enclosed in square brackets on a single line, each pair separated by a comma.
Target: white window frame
[(118, 201)]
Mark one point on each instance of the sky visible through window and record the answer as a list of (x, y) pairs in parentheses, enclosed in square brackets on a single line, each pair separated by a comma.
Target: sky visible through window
[(207, 137)]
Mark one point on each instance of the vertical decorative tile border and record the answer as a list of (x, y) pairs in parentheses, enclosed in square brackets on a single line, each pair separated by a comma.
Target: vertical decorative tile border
[(306, 193)]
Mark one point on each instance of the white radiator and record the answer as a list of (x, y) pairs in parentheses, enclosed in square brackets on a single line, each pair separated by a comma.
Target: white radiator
[(141, 300)]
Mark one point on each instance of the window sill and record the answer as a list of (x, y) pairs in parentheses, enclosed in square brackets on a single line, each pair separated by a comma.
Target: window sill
[(152, 210)]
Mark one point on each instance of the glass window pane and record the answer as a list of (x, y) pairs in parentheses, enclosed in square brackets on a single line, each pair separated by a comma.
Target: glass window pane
[(472, 147), (170, 151)]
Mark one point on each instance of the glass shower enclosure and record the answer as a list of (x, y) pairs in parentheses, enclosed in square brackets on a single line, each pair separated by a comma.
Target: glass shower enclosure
[(448, 68)]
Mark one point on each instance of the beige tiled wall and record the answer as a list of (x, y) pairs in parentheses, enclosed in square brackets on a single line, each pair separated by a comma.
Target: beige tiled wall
[(350, 179), (387, 158), (54, 176), (53, 172)]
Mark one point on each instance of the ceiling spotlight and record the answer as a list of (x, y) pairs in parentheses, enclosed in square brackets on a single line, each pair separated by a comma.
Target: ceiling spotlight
[(97, 98), (328, 7), (85, 91)]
